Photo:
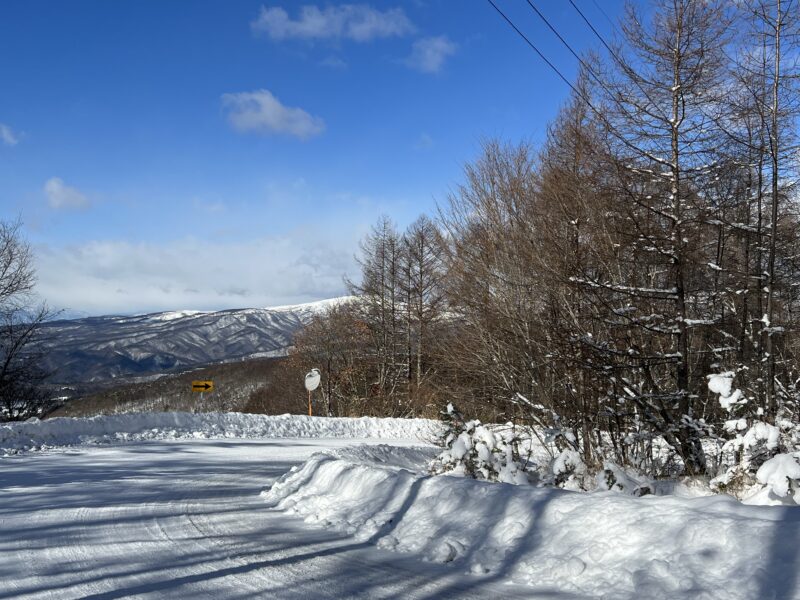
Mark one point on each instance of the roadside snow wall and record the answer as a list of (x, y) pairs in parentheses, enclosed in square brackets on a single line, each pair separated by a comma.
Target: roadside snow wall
[(39, 435), (598, 545)]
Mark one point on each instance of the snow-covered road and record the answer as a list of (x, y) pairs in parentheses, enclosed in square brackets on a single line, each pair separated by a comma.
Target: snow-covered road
[(184, 519)]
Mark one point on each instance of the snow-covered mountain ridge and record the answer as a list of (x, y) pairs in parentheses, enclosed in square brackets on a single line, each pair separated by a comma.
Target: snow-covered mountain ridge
[(98, 349)]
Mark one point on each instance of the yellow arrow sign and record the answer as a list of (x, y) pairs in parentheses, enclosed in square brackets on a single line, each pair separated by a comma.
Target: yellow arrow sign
[(202, 386)]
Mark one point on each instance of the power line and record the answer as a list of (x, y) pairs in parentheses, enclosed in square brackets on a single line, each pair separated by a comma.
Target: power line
[(611, 51), (604, 12), (535, 49), (589, 69), (555, 31), (608, 47), (599, 37), (578, 93), (568, 47)]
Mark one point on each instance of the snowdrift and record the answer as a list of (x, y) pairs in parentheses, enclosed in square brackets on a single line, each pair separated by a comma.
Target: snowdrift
[(597, 544), (35, 434)]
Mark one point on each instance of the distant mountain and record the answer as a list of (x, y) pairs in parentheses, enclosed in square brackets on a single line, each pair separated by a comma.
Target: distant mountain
[(95, 350)]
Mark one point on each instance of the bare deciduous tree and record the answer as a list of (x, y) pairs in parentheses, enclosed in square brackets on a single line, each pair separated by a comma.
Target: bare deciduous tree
[(21, 394)]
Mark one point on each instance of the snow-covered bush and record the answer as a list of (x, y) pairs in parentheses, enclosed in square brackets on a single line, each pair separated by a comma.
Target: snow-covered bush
[(615, 478), (503, 453), (757, 453), (569, 471), (722, 384), (453, 421), (472, 449), (736, 481), (781, 475), (752, 441)]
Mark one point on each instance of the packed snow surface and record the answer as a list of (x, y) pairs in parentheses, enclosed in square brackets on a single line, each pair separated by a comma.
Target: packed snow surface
[(183, 519), (597, 545), (35, 434), (175, 511)]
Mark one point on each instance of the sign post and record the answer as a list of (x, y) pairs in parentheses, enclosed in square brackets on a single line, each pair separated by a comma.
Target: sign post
[(202, 386), (312, 382)]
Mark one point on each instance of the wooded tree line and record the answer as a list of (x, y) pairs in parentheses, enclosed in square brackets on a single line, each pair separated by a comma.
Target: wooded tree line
[(21, 376), (379, 352), (592, 285), (238, 385)]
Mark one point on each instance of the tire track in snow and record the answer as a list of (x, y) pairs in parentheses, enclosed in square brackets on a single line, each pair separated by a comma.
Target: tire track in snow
[(184, 519)]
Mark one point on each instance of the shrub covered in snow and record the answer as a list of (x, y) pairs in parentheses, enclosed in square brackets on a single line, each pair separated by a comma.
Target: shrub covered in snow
[(569, 471), (615, 478), (757, 463), (472, 449), (722, 384), (757, 455), (781, 475), (546, 458)]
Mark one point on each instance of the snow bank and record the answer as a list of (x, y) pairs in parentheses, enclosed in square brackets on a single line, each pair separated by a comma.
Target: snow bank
[(600, 544), (35, 434)]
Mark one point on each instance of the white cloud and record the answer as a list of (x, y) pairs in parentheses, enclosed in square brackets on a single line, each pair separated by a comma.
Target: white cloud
[(7, 136), (429, 54), (61, 196), (107, 277), (357, 22), (261, 112)]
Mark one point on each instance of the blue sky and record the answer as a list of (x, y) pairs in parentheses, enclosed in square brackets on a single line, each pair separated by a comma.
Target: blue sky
[(170, 155)]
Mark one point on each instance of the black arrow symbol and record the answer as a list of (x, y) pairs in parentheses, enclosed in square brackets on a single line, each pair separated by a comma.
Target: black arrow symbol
[(204, 386)]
